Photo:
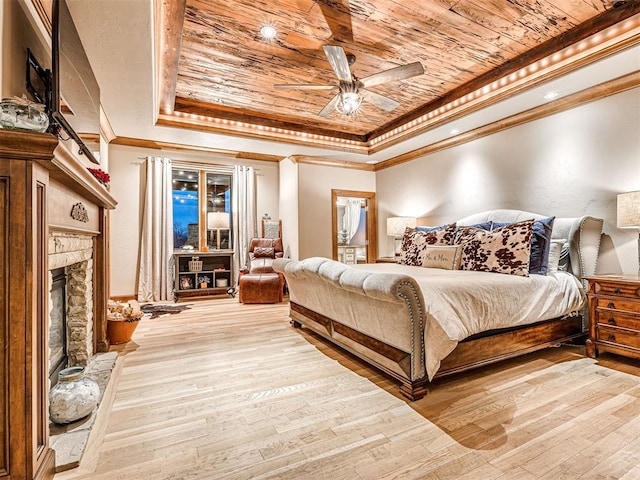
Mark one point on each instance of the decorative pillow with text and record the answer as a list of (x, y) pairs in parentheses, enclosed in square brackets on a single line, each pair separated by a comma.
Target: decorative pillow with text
[(446, 257), (415, 242), (504, 250)]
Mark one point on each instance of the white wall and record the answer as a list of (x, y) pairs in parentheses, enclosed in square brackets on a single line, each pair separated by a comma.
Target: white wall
[(289, 207), (315, 185), (126, 167), (569, 164)]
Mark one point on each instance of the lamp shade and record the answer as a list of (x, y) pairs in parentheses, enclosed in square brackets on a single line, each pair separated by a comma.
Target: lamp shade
[(397, 225), (629, 209), (216, 220)]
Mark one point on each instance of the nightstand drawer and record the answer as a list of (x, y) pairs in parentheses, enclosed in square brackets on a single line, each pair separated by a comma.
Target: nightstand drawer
[(618, 289), (618, 304), (618, 319), (627, 338)]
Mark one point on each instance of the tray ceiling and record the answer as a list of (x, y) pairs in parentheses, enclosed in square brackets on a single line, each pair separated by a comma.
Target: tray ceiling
[(218, 72)]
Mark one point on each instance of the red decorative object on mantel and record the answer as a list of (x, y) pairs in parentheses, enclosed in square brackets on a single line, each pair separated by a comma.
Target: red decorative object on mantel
[(102, 176)]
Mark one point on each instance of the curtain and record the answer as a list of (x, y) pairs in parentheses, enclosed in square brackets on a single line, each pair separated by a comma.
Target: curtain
[(245, 225), (155, 281), (351, 219)]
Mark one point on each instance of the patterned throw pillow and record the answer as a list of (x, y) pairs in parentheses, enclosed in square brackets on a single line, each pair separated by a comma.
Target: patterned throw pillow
[(446, 257), (503, 250), (415, 242), (540, 244), (467, 231), (264, 252)]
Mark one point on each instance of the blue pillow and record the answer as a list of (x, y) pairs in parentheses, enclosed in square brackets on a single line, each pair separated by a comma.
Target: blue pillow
[(484, 226), (431, 229), (488, 226), (540, 244)]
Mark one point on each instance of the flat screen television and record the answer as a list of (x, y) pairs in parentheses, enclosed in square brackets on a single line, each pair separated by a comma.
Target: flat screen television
[(75, 104)]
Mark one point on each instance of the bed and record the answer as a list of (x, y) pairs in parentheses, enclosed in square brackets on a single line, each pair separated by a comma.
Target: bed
[(418, 324)]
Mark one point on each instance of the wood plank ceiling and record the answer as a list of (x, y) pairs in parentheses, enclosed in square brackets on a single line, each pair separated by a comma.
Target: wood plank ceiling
[(217, 65)]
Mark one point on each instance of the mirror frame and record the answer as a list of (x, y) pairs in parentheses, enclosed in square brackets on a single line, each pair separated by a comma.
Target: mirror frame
[(372, 231)]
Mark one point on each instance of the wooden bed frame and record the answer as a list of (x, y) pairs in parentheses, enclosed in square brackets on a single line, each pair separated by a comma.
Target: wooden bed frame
[(473, 352), (583, 235)]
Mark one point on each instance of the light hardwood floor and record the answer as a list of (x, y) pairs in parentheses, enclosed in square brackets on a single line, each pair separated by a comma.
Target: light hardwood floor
[(231, 391)]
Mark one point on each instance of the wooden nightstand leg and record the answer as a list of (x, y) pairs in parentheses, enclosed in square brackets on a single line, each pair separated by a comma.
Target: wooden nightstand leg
[(591, 349)]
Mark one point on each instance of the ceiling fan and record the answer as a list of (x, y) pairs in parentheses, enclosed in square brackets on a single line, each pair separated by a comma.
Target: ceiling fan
[(351, 90)]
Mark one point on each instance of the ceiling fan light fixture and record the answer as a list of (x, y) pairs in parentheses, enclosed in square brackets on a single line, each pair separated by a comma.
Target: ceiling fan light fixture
[(348, 103)]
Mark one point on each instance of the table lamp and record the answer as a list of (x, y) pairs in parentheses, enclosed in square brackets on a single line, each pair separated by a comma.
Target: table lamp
[(629, 214), (217, 221), (396, 227)]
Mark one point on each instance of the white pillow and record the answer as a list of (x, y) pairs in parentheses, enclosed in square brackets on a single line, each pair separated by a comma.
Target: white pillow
[(554, 253), (444, 257)]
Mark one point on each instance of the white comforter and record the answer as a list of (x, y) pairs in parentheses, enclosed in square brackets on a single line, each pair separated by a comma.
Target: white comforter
[(461, 303)]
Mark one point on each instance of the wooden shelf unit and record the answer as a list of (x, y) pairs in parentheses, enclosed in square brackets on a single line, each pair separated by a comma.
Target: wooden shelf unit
[(217, 266)]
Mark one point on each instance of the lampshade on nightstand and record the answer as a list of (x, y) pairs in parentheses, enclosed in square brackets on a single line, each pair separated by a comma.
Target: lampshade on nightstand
[(396, 227), (629, 214)]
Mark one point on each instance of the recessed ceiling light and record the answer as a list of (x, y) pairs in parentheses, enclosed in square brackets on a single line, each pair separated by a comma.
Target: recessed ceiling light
[(455, 131), (372, 162), (550, 95), (268, 32)]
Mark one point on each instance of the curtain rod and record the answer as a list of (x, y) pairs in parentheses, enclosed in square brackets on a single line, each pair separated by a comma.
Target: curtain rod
[(203, 166)]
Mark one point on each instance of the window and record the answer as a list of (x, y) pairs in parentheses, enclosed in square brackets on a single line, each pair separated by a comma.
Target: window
[(202, 208)]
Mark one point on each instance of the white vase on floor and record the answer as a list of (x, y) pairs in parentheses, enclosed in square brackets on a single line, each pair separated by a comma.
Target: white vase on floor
[(73, 397)]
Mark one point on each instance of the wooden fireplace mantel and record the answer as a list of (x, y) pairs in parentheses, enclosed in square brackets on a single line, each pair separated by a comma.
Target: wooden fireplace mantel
[(39, 178)]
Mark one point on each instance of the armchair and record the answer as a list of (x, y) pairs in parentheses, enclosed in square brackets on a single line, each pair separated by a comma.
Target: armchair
[(259, 283)]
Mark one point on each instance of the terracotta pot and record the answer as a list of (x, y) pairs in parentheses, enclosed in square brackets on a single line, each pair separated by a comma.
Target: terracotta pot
[(120, 331)]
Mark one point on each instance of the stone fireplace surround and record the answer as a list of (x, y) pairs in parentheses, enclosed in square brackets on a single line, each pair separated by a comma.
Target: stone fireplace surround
[(74, 252)]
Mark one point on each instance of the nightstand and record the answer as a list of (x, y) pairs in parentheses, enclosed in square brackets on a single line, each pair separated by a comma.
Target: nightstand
[(388, 260), (614, 315)]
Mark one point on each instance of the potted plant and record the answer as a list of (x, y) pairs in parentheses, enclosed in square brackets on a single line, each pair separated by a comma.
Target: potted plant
[(122, 320), (204, 281)]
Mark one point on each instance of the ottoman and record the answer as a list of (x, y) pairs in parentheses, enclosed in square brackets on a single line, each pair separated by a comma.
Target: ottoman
[(260, 288)]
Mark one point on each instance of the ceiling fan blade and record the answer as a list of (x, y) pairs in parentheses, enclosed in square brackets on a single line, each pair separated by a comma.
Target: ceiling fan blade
[(303, 86), (393, 74), (385, 103), (329, 107), (337, 14), (339, 63)]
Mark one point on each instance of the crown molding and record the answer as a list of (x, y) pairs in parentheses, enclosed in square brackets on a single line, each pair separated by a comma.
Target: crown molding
[(327, 162), (160, 145), (605, 89)]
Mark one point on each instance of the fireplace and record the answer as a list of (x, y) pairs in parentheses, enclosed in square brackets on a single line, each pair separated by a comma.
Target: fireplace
[(57, 324), (71, 322), (46, 193)]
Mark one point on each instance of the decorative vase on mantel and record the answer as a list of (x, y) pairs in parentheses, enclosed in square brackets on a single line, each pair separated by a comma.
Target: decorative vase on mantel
[(122, 320), (73, 397)]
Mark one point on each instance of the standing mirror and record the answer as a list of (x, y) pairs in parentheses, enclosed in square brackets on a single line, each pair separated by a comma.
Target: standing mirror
[(354, 235)]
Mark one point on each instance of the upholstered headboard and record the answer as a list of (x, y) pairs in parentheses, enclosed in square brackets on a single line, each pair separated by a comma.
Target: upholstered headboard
[(582, 233)]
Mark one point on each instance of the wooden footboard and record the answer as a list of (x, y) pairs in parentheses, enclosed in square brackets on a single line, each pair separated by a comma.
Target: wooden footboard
[(413, 390), (471, 353)]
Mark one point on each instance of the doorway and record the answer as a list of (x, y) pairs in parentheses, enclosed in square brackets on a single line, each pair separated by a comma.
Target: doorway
[(354, 232)]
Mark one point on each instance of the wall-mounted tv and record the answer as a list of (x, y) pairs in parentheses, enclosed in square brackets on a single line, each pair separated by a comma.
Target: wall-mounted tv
[(76, 95)]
